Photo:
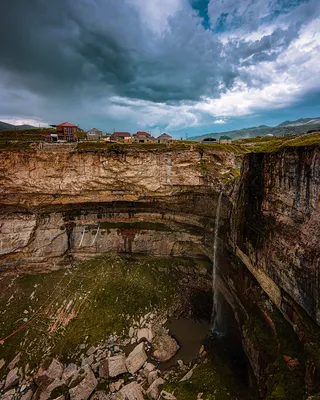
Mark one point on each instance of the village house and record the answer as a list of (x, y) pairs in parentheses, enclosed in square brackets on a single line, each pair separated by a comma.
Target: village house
[(94, 134), (165, 138), (225, 140), (121, 136), (143, 137), (65, 132)]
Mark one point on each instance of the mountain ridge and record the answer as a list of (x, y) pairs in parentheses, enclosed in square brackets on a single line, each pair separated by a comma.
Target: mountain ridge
[(4, 126), (298, 126)]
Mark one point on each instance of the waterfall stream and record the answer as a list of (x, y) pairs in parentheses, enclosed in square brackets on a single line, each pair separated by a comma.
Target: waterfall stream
[(215, 315)]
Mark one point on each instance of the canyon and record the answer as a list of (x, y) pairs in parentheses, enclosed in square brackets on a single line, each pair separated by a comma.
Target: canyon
[(61, 206)]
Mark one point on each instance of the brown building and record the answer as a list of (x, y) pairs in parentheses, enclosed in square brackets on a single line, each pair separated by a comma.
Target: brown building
[(94, 134), (143, 137), (67, 131), (121, 136), (165, 138)]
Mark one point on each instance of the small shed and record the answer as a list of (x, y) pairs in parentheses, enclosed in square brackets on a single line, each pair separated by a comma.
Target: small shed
[(225, 140)]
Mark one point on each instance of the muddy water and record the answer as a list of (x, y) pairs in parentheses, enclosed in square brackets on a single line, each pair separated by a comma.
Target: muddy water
[(190, 335)]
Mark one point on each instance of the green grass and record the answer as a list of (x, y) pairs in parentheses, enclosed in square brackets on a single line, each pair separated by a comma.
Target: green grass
[(105, 293), (207, 379), (231, 148), (23, 139), (273, 144)]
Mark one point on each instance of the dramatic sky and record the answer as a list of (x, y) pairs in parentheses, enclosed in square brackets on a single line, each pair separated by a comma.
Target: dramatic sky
[(180, 66)]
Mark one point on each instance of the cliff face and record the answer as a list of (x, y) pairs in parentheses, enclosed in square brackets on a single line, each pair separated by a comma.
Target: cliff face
[(65, 177), (59, 206), (276, 221)]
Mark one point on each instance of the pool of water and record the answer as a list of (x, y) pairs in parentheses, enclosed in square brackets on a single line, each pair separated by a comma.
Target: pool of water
[(190, 335)]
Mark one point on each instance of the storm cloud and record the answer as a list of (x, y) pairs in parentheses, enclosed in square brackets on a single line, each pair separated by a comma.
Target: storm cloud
[(163, 64)]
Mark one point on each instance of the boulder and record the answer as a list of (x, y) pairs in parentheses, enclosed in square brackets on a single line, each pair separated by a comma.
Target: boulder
[(136, 359), (28, 395), (115, 386), (154, 375), (13, 363), (164, 346), (50, 370), (113, 366), (85, 383), (87, 361), (133, 391), (47, 392), (8, 395), (147, 369), (12, 379), (91, 351), (104, 369), (153, 391), (145, 334), (117, 365), (69, 372)]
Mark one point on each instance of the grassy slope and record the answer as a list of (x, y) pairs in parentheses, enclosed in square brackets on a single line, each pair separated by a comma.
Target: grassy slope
[(272, 144), (22, 138), (104, 294)]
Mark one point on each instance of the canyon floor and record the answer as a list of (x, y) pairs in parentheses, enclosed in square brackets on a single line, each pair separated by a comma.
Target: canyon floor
[(105, 305)]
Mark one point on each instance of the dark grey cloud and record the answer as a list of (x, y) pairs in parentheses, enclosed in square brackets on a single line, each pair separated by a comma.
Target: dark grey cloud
[(59, 45), (78, 55)]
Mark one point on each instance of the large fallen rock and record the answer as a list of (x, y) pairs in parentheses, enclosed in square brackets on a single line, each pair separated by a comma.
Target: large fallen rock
[(145, 334), (153, 391), (8, 395), (164, 346), (133, 391), (136, 359), (69, 372), (84, 384), (148, 368), (27, 395), (12, 379), (50, 370), (13, 363), (45, 393), (113, 366)]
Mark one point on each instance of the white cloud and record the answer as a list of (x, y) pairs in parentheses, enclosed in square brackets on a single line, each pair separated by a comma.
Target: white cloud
[(156, 12), (33, 122), (220, 121)]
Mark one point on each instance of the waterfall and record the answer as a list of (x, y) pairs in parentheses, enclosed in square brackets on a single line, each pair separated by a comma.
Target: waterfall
[(215, 315)]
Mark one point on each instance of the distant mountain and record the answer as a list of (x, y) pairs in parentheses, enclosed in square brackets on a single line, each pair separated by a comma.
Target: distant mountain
[(5, 127), (302, 125), (301, 121)]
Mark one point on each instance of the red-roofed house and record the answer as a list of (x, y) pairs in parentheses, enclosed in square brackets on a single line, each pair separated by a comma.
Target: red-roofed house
[(121, 136), (143, 137), (67, 131)]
